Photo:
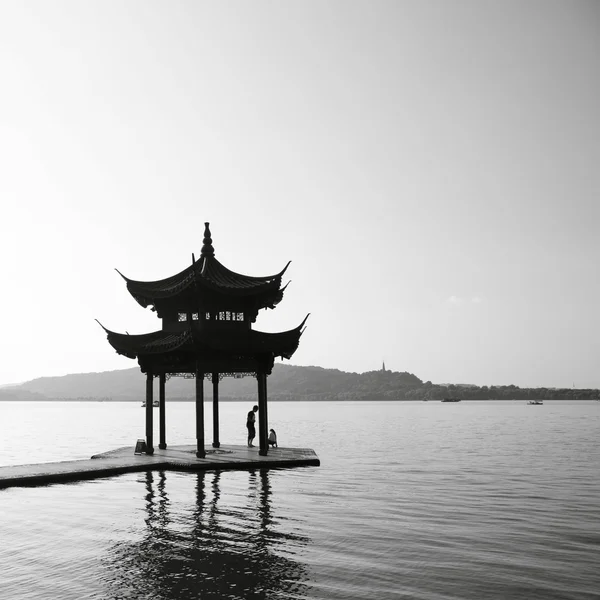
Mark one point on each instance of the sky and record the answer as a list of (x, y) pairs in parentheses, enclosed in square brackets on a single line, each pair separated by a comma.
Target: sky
[(431, 169)]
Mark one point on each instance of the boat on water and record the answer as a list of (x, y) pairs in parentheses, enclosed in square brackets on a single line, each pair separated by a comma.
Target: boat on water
[(155, 403), (536, 402), (451, 400)]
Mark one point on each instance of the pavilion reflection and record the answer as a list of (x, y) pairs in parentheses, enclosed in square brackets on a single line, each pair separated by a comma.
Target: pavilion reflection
[(211, 549)]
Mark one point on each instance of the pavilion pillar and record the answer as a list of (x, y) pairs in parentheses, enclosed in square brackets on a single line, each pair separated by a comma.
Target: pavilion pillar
[(162, 444), (149, 414), (215, 383), (262, 414), (200, 452)]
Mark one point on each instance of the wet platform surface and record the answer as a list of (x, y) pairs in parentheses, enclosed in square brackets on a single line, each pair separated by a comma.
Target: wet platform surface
[(178, 458)]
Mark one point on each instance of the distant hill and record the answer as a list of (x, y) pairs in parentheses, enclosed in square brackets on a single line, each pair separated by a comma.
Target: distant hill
[(287, 382), (16, 393)]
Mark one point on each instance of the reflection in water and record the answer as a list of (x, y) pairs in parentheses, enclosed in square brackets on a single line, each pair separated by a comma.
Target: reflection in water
[(206, 550)]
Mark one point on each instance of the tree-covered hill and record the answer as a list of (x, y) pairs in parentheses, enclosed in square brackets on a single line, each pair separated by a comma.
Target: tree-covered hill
[(287, 382)]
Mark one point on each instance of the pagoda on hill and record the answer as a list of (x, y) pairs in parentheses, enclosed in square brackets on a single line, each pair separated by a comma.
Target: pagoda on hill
[(207, 312)]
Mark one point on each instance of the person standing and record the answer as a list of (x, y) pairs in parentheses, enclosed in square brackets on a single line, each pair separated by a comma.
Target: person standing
[(250, 425)]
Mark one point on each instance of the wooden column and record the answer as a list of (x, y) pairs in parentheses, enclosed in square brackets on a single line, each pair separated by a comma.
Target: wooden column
[(149, 414), (215, 383), (262, 414), (162, 444), (200, 453)]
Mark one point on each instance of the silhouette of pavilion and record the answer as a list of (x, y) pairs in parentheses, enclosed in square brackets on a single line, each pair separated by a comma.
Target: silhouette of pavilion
[(207, 313)]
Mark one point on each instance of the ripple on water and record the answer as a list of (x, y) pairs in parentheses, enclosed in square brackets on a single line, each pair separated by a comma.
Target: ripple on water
[(477, 501)]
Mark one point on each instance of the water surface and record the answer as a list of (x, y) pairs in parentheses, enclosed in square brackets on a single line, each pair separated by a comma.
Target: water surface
[(423, 500)]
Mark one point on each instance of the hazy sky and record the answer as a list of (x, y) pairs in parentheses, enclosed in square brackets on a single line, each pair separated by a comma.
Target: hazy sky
[(431, 168)]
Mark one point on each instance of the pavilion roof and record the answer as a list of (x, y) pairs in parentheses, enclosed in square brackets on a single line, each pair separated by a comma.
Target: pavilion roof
[(210, 275), (244, 342)]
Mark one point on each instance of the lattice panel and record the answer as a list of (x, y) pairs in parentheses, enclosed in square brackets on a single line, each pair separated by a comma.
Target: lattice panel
[(184, 375), (209, 375), (234, 375)]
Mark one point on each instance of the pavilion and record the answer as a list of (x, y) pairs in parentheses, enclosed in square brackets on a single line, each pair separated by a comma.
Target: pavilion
[(207, 312)]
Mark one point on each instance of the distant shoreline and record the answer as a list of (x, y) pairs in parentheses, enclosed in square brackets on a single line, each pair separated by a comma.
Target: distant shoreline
[(287, 383), (271, 400)]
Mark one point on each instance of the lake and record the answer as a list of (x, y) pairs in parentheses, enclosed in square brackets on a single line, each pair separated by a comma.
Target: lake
[(413, 500)]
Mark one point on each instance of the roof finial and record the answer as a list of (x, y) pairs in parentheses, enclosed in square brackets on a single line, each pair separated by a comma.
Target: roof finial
[(207, 248)]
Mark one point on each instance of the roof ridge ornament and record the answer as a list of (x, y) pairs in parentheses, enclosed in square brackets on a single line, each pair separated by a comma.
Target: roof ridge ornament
[(301, 327), (121, 274), (207, 247), (101, 323), (285, 268)]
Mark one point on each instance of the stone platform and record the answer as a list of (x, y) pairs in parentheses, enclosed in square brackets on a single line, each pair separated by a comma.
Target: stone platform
[(178, 458)]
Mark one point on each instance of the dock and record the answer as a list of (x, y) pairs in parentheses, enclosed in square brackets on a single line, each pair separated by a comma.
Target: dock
[(177, 458)]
